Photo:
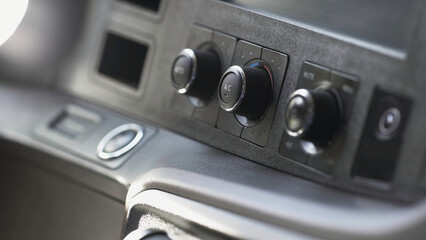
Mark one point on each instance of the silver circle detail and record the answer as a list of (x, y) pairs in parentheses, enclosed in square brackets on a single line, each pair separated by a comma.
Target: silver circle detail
[(189, 53), (311, 106), (383, 130), (237, 70), (110, 135)]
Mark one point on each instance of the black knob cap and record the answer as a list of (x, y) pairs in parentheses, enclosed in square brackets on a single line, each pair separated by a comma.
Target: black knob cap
[(313, 115), (196, 73), (245, 91)]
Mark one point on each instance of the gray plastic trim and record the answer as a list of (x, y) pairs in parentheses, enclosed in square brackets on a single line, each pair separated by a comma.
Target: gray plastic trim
[(366, 219)]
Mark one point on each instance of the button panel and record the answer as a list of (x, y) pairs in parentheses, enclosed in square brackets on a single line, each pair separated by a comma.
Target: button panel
[(320, 140), (258, 132), (241, 53)]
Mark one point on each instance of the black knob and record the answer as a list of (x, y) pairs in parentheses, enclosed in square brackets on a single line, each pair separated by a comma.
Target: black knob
[(313, 115), (245, 91), (196, 73)]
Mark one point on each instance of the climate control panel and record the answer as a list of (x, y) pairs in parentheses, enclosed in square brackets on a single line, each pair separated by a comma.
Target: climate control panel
[(234, 86), (230, 84)]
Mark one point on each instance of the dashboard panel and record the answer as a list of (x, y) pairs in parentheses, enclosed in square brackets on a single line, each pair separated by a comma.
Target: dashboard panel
[(293, 119), (297, 58)]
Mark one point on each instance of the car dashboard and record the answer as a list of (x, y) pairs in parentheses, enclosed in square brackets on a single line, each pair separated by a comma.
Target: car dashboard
[(208, 119)]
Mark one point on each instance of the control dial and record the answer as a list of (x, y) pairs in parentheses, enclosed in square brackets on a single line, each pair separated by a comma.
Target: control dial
[(245, 91), (313, 115), (196, 73)]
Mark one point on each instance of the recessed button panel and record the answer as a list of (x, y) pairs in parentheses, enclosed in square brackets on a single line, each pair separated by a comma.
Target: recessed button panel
[(316, 115), (382, 137), (248, 122)]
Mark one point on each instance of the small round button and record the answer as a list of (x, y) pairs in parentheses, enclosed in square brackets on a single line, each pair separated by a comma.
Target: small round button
[(230, 88), (313, 115), (119, 141), (296, 114), (389, 122), (182, 71), (246, 91), (196, 73)]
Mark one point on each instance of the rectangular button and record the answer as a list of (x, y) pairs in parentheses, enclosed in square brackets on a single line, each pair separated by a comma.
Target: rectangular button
[(226, 121), (244, 52), (226, 45), (290, 147), (198, 36), (347, 86), (278, 63), (180, 105), (259, 133), (208, 114), (311, 74)]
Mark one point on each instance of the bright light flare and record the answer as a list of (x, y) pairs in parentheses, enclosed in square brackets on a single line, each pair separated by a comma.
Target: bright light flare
[(11, 14)]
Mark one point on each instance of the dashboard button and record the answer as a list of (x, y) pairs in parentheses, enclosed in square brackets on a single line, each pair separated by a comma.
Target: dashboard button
[(245, 52), (230, 88), (278, 64), (246, 91), (311, 75), (227, 122), (182, 71), (196, 73), (389, 122), (119, 141), (296, 114), (313, 115), (199, 36), (226, 45)]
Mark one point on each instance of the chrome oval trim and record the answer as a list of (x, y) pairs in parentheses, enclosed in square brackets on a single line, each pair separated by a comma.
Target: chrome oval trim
[(110, 135)]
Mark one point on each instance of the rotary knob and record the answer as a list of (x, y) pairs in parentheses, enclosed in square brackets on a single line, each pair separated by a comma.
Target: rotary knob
[(313, 115), (196, 73), (245, 91)]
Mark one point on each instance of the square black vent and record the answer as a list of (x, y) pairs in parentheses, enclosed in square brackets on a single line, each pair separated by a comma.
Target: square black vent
[(123, 60)]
